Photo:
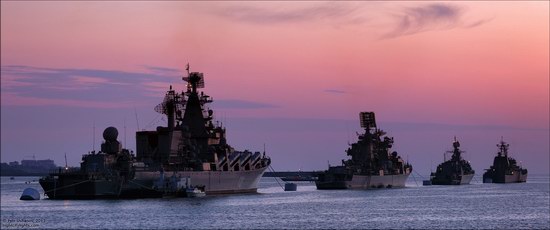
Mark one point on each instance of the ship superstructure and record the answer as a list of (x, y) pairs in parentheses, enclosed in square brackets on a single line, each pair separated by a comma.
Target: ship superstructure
[(504, 169), (191, 148), (455, 171), (101, 174), (372, 163)]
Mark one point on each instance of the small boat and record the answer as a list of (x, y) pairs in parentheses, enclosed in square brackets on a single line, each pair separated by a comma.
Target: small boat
[(30, 194), (12, 178), (290, 187), (194, 192)]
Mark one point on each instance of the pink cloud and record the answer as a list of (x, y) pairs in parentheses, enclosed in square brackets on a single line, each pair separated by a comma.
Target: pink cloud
[(16, 100), (89, 80), (435, 16), (9, 81), (156, 86)]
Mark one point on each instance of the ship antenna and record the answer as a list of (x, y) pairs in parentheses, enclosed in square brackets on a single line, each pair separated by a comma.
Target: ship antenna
[(66, 167), (137, 122), (187, 68), (93, 143), (124, 132)]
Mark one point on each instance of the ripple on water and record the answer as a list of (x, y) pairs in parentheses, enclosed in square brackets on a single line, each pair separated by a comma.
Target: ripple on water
[(476, 206)]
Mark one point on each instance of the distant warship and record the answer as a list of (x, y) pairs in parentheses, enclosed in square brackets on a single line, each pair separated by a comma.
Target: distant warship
[(372, 165), (504, 168), (191, 152), (455, 171)]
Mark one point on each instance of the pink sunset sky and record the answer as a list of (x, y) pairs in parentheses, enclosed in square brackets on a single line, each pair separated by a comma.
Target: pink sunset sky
[(291, 75)]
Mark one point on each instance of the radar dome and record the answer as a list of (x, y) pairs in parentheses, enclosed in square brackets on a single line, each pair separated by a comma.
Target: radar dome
[(110, 134)]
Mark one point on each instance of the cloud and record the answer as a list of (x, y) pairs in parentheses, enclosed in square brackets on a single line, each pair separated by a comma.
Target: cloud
[(477, 23), (241, 104), (406, 21), (336, 12), (89, 80), (12, 99), (27, 85), (157, 86), (162, 70), (93, 88), (435, 16), (334, 91)]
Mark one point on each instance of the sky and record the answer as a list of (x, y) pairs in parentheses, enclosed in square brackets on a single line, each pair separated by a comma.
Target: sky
[(292, 76)]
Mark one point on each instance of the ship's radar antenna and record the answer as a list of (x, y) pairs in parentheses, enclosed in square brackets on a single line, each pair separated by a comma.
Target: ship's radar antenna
[(170, 99), (367, 120), (503, 147), (456, 144), (93, 137), (195, 80)]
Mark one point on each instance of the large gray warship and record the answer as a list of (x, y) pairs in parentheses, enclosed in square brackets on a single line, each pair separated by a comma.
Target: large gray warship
[(372, 164), (191, 151), (455, 171), (504, 169)]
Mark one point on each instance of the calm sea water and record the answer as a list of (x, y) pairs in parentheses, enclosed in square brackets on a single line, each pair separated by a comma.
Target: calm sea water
[(475, 206)]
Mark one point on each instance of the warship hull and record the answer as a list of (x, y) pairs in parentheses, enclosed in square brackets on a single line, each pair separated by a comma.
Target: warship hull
[(464, 179), (143, 185), (505, 178), (80, 189), (366, 182), (214, 182)]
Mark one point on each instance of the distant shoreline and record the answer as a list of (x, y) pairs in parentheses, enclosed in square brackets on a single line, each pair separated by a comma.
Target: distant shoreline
[(8, 174), (28, 168)]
